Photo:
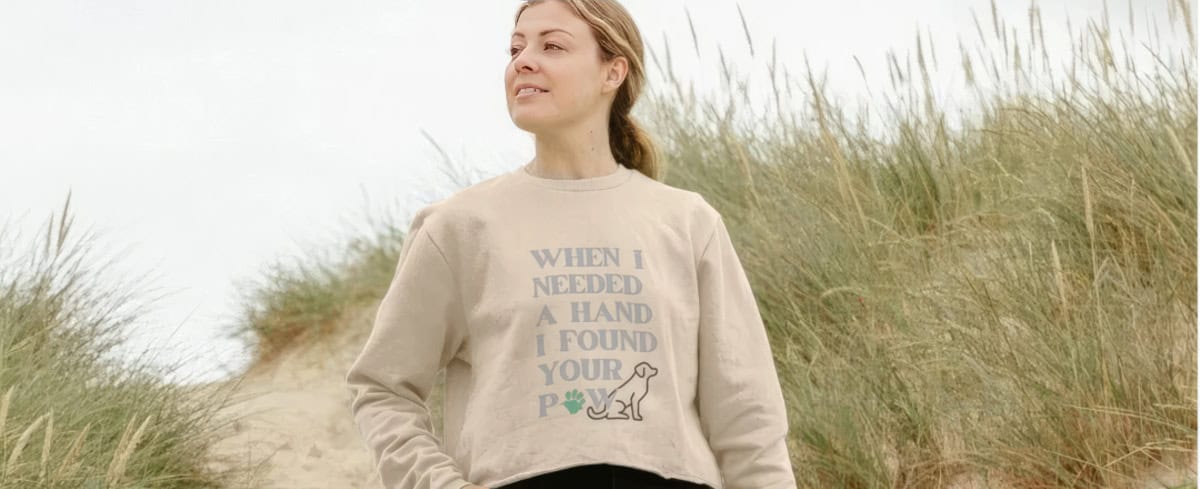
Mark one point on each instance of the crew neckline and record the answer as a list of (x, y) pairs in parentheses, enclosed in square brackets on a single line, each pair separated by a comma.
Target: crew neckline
[(618, 177)]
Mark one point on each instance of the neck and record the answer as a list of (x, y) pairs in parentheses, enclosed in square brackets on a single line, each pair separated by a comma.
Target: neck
[(573, 154)]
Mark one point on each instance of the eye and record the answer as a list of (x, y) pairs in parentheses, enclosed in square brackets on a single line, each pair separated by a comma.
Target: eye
[(513, 50)]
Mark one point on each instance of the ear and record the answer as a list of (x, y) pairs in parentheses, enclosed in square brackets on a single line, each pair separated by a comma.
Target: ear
[(640, 370), (618, 69)]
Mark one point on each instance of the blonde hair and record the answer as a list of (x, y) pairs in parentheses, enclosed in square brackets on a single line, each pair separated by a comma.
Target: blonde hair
[(615, 31)]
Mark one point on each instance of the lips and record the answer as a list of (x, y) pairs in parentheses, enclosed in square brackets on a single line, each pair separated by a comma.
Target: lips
[(521, 86), (528, 94)]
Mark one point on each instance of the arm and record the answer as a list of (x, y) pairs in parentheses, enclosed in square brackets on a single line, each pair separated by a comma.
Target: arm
[(418, 329), (739, 398)]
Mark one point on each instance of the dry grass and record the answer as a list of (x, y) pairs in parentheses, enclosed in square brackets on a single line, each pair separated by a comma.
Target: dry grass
[(65, 400), (1010, 303)]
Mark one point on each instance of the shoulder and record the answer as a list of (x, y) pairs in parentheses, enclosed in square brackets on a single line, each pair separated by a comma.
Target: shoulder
[(461, 212), (683, 209), (689, 203)]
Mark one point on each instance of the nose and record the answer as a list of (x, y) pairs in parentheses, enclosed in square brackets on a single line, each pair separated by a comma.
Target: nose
[(521, 62)]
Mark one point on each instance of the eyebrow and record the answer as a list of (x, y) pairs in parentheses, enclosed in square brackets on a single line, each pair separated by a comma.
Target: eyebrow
[(543, 33)]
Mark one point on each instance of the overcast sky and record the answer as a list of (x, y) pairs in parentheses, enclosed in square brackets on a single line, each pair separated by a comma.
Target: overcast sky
[(207, 139)]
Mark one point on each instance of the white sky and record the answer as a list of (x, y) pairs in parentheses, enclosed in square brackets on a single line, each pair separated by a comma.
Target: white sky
[(209, 138)]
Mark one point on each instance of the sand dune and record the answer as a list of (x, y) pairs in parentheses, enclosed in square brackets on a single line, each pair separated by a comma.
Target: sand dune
[(289, 424)]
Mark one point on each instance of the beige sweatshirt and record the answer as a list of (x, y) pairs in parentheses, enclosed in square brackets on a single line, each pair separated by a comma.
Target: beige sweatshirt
[(580, 321)]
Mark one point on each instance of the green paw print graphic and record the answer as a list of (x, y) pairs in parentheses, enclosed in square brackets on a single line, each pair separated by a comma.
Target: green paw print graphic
[(574, 401)]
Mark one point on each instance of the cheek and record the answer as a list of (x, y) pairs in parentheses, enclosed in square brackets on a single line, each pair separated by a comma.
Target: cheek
[(573, 92), (579, 97)]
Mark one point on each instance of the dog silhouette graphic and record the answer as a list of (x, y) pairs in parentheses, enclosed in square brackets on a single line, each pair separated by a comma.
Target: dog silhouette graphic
[(625, 401)]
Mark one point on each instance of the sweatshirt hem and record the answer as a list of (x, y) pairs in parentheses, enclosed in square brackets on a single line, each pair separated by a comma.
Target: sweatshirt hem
[(534, 472)]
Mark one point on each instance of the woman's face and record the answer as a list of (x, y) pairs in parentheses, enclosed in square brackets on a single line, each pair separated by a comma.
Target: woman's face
[(554, 50)]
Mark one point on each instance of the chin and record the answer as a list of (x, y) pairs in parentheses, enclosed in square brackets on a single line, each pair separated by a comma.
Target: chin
[(532, 124)]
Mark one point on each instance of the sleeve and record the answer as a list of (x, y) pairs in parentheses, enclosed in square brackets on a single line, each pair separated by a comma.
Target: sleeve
[(418, 329), (739, 397)]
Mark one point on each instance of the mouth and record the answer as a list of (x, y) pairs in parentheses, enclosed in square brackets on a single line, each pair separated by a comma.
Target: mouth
[(527, 92)]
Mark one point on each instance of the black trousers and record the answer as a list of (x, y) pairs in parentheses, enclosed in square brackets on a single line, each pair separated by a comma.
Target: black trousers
[(602, 476)]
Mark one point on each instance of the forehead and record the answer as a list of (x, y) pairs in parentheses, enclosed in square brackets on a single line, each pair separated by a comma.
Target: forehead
[(548, 18)]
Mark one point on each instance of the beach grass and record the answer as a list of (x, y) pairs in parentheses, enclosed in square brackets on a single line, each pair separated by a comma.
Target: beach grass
[(71, 414), (1007, 303)]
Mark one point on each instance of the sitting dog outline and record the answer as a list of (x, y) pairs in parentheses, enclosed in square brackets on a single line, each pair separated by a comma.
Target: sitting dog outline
[(628, 394)]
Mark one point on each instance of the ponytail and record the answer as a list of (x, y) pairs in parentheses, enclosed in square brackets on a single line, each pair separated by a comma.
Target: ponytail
[(631, 145)]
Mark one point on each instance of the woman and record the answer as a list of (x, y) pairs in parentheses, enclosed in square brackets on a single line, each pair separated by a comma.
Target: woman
[(595, 325)]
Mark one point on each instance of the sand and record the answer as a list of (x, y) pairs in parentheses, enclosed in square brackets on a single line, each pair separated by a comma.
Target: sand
[(288, 424)]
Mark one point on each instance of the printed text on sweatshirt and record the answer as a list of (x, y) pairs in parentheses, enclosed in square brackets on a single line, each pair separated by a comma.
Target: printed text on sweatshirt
[(579, 321)]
